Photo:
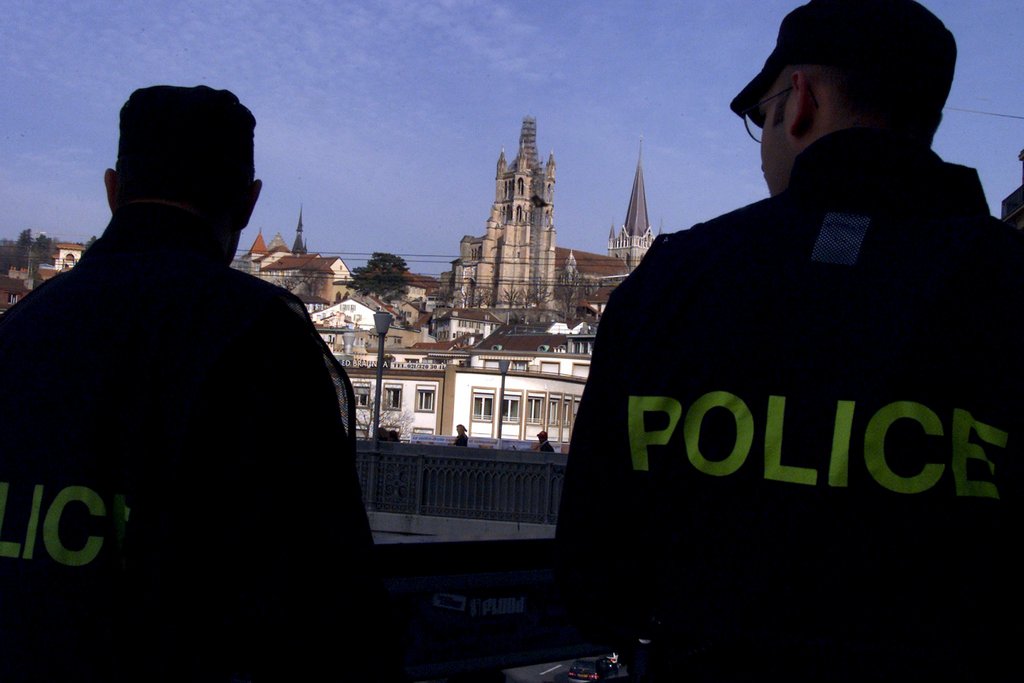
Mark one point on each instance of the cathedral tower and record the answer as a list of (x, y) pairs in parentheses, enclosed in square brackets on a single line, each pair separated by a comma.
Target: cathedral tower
[(513, 264), (635, 236)]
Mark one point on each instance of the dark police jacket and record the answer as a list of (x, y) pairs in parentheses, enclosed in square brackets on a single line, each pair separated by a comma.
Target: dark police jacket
[(177, 474), (803, 426)]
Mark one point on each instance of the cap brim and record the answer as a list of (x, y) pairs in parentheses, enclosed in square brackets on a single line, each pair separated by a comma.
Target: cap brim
[(752, 93)]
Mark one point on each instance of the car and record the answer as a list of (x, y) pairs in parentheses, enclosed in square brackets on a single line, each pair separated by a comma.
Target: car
[(584, 670), (608, 665), (594, 669)]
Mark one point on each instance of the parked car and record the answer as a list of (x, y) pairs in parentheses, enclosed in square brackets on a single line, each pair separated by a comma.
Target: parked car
[(594, 669), (584, 670), (608, 665)]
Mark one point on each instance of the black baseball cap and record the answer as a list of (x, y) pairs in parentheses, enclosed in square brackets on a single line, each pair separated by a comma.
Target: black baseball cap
[(185, 142), (899, 44)]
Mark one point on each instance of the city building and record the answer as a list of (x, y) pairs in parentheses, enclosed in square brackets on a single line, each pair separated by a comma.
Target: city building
[(68, 254), (431, 389), (302, 273)]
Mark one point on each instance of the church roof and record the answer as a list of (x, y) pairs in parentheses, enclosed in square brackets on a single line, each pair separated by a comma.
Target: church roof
[(637, 224), (594, 265), (277, 243), (307, 262)]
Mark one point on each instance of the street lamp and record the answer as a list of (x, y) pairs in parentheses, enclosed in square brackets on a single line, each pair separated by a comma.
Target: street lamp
[(503, 368), (348, 338), (381, 321)]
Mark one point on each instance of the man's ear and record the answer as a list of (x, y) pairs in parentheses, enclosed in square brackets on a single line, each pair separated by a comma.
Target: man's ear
[(110, 182), (805, 106)]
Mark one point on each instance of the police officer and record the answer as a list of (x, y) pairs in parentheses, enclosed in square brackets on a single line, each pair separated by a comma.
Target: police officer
[(169, 510), (823, 481)]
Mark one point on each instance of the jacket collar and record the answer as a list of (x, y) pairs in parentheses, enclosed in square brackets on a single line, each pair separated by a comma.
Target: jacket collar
[(149, 226), (871, 170)]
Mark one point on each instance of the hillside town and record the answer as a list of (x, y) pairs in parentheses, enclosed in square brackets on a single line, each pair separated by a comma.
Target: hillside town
[(512, 321)]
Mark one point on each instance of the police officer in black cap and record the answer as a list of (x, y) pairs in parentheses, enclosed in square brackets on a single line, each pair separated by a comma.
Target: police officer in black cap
[(178, 494), (824, 480)]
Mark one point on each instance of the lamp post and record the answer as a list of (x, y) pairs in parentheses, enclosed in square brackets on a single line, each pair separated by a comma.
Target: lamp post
[(348, 338), (503, 368), (381, 321)]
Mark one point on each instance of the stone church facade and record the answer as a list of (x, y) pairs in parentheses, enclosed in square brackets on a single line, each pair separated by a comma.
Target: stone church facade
[(516, 264), (512, 265)]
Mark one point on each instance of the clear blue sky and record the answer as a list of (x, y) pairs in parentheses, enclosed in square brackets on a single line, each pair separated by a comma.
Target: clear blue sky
[(384, 119)]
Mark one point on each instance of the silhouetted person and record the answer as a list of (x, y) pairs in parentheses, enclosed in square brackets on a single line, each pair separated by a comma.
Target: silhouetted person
[(462, 439), (172, 511), (543, 444), (823, 479)]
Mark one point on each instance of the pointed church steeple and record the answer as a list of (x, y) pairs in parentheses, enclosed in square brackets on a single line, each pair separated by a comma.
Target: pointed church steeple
[(259, 247), (299, 247), (637, 224), (635, 237)]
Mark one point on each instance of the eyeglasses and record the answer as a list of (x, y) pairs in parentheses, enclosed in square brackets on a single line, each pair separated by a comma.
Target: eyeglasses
[(753, 116)]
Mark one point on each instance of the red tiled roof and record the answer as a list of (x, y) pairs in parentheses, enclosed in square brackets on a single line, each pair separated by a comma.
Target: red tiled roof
[(594, 265), (427, 282), (258, 245)]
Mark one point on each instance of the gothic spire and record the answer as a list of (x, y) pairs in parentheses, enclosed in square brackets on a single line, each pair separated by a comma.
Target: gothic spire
[(300, 245), (637, 224)]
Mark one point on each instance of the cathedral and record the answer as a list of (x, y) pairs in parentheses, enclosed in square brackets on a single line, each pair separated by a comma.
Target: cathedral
[(516, 263), (513, 263)]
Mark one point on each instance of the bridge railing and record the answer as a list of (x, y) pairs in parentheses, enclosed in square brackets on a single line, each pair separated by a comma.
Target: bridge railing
[(416, 479)]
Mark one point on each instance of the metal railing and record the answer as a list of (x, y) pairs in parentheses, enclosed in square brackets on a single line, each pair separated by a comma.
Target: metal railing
[(507, 486)]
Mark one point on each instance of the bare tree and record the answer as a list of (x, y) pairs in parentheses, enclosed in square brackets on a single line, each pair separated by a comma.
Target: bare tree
[(513, 297), (397, 420), (572, 288), (537, 295)]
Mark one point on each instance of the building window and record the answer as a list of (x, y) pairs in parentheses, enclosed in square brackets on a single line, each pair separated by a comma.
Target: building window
[(567, 411), (362, 395), (510, 409), (483, 407), (534, 409), (553, 412), (520, 365), (425, 400), (393, 398)]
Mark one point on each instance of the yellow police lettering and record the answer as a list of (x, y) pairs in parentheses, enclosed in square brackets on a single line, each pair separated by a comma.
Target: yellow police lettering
[(639, 437), (773, 467), (839, 460), (7, 548), (51, 527), (963, 450), (874, 446), (744, 432), (33, 523), (968, 441)]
